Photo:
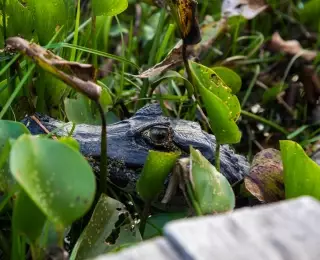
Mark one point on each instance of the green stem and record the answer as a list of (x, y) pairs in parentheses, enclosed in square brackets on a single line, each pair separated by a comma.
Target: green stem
[(94, 40), (265, 121), (186, 63), (103, 157), (144, 217), (193, 200), (217, 157), (253, 81)]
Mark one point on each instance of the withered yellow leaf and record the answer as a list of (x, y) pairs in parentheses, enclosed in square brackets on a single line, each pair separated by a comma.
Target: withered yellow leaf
[(186, 15)]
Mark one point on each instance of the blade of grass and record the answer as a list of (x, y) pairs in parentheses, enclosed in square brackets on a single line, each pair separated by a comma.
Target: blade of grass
[(100, 53), (265, 121), (17, 90), (252, 83), (76, 33)]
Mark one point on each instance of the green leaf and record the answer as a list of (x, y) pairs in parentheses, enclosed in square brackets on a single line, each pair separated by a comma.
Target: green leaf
[(301, 174), (79, 110), (20, 19), (106, 215), (223, 127), (272, 93), (211, 189), (207, 78), (49, 16), (28, 219), (109, 7), (8, 130), (73, 143), (156, 223), (55, 176), (229, 77), (309, 14), (156, 169)]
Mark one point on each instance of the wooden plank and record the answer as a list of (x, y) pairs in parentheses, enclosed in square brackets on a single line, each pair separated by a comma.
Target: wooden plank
[(155, 249), (288, 230)]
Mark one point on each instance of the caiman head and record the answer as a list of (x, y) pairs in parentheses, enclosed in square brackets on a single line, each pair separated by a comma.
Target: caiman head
[(129, 141)]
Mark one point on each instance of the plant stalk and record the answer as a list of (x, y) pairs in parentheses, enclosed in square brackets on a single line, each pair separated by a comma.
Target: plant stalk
[(265, 121), (217, 157), (144, 217), (103, 157)]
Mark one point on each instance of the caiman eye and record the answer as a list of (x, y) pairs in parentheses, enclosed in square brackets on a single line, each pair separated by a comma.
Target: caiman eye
[(158, 134)]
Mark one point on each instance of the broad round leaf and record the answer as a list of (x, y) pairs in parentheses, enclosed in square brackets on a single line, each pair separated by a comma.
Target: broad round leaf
[(210, 80), (28, 219), (55, 176), (20, 19), (103, 222), (156, 169), (212, 190), (8, 130), (229, 77), (225, 129), (301, 173), (108, 7), (49, 16)]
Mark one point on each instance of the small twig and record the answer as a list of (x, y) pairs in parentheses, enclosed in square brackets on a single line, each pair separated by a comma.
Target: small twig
[(34, 118)]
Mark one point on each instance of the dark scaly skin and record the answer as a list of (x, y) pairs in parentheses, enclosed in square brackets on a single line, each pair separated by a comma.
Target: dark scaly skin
[(128, 145)]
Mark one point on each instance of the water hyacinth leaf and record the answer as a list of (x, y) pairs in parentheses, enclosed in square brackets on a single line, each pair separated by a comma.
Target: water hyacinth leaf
[(8, 130), (109, 7), (272, 93), (209, 79), (156, 222), (73, 143), (185, 15), (212, 190), (28, 219), (301, 173), (309, 14), (229, 77), (20, 20), (155, 170), (265, 180), (55, 176), (50, 16), (106, 215), (223, 127)]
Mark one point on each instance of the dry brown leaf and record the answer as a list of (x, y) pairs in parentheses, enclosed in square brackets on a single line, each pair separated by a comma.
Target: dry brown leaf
[(209, 33), (77, 75), (265, 180), (247, 8), (291, 47)]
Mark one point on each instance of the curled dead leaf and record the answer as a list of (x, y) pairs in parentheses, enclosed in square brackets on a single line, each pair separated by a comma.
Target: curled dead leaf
[(291, 47), (209, 32), (185, 14), (247, 8), (77, 75), (265, 180)]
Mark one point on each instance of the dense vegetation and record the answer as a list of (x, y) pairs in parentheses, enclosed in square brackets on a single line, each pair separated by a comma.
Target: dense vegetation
[(247, 73)]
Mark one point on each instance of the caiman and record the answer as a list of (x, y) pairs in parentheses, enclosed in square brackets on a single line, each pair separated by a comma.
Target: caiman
[(129, 141)]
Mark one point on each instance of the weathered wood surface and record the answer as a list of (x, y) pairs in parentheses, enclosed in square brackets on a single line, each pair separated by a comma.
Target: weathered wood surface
[(288, 230), (155, 249)]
